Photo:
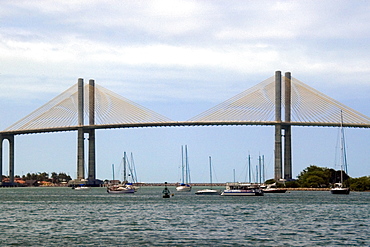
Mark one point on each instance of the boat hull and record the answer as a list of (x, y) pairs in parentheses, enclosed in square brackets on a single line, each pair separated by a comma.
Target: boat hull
[(183, 188), (242, 193), (274, 191), (341, 191), (128, 191), (121, 189), (81, 188), (208, 192)]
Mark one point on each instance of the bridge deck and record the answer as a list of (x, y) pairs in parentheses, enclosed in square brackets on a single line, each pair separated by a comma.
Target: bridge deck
[(177, 124)]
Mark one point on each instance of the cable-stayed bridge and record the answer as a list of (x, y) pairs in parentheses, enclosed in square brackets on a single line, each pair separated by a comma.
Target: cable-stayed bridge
[(281, 101)]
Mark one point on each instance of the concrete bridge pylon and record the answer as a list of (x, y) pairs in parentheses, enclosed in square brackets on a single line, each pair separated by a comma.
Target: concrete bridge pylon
[(10, 139), (91, 176), (278, 128), (288, 128), (283, 135)]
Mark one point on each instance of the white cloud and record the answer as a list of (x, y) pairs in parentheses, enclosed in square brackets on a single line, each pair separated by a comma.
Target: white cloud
[(149, 40), (166, 52), (80, 51)]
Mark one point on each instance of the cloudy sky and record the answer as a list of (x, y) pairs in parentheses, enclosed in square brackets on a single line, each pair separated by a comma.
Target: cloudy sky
[(179, 58)]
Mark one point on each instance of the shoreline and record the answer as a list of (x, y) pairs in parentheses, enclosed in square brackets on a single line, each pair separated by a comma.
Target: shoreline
[(176, 184)]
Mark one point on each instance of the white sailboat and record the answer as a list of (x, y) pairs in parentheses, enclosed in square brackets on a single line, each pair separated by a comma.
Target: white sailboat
[(339, 188), (272, 188), (124, 187), (185, 171), (132, 173), (209, 191)]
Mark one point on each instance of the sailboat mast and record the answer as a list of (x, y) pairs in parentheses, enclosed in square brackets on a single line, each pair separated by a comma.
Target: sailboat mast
[(124, 167), (259, 168), (182, 164), (263, 169), (341, 146), (133, 170), (249, 168), (210, 170), (113, 171), (187, 175)]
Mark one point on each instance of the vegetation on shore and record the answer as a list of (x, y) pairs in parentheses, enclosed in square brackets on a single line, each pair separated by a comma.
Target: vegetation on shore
[(322, 177), (311, 177), (40, 179)]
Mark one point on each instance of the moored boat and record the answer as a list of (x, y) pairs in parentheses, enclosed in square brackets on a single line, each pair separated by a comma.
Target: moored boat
[(338, 188), (124, 187), (209, 191), (120, 189), (80, 187), (272, 188), (185, 171), (183, 187), (242, 189)]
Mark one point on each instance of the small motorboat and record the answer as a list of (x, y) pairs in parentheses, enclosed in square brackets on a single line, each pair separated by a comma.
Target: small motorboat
[(208, 192), (272, 188), (242, 189), (80, 187)]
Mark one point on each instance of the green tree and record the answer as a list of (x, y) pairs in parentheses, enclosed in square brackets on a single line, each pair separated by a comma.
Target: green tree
[(315, 181), (292, 184), (42, 176), (360, 184), (315, 177), (30, 176), (63, 177), (270, 181), (54, 178)]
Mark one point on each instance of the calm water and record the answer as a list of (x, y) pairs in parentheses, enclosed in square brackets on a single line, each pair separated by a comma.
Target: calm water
[(61, 217)]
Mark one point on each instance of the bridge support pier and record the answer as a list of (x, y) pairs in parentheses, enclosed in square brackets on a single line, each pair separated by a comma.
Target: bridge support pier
[(287, 129), (81, 132), (92, 160), (91, 170), (10, 139), (1, 158), (80, 154), (283, 126), (278, 128)]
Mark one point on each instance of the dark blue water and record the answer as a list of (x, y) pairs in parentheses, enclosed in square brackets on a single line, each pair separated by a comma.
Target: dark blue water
[(61, 217)]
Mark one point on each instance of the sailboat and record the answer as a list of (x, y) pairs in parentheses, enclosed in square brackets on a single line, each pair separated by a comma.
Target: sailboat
[(185, 172), (339, 188), (272, 188), (209, 191), (132, 173), (123, 187)]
